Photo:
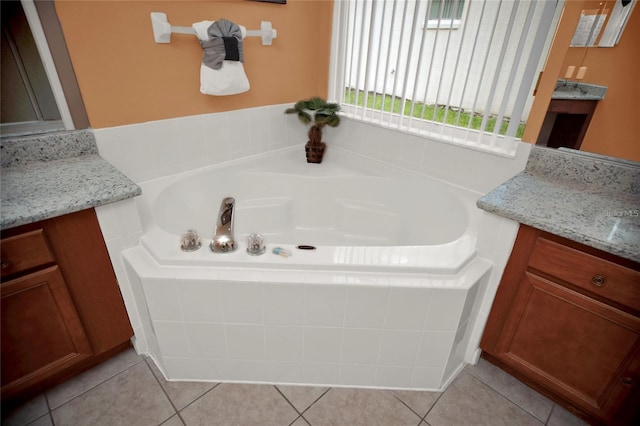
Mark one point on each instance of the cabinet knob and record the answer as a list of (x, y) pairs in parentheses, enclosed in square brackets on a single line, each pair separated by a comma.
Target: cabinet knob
[(4, 263), (627, 381), (598, 280)]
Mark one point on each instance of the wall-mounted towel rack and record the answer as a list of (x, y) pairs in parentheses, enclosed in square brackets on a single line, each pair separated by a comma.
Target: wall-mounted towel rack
[(162, 30)]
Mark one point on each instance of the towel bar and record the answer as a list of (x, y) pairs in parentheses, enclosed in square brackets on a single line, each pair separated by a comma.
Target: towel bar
[(162, 30)]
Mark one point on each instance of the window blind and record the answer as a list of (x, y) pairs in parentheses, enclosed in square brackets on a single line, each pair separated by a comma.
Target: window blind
[(468, 79)]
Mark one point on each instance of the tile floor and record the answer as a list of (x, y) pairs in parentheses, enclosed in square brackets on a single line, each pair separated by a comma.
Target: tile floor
[(129, 390)]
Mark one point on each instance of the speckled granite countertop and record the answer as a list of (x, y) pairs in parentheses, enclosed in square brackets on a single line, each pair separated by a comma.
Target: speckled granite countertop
[(589, 199), (55, 174), (573, 90)]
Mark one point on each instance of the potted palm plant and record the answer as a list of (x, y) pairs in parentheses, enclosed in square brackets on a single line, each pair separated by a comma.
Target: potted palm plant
[(318, 113)]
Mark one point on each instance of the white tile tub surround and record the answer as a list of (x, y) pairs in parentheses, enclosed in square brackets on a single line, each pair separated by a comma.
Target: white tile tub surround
[(331, 328), (160, 148), (150, 150)]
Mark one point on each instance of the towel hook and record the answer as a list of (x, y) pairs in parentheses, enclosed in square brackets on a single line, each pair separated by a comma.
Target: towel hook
[(162, 30)]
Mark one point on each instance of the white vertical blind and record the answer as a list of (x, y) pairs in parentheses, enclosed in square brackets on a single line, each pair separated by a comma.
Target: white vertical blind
[(456, 70)]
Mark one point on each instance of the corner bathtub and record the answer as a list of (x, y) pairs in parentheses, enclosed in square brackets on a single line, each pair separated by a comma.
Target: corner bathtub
[(388, 297)]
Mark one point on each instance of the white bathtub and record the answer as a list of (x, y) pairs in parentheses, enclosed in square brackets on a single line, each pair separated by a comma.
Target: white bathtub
[(357, 214), (388, 298)]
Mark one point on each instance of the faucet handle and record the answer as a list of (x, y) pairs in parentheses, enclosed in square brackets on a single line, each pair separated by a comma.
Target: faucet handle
[(190, 241), (255, 245)]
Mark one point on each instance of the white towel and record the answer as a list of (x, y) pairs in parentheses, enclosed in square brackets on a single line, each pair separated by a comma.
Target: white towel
[(228, 80)]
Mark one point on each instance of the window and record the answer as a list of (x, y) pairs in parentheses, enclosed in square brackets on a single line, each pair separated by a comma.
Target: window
[(445, 14), (446, 9), (470, 85)]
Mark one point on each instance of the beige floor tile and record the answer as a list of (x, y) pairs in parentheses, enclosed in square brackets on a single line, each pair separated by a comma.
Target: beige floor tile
[(27, 412), (43, 421), (240, 404), (180, 393), (300, 421), (342, 406), (512, 389), (173, 421), (91, 378), (133, 397), (562, 417), (468, 401), (302, 396), (419, 401)]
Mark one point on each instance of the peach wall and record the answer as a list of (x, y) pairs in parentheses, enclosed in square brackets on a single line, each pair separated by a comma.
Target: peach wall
[(125, 77), (615, 127)]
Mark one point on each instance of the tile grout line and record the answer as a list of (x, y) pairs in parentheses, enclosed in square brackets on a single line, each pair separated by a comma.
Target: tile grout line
[(175, 410), (287, 399), (553, 408), (514, 402), (296, 419), (95, 386), (294, 407), (180, 418), (403, 403), (506, 399), (48, 414), (312, 404), (49, 410), (198, 398), (424, 418)]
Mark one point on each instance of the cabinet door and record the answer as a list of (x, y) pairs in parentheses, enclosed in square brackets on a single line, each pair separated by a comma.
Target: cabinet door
[(582, 349), (81, 254), (41, 331)]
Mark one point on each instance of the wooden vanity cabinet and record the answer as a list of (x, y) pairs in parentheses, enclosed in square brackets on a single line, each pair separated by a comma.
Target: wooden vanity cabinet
[(566, 321), (62, 311), (566, 123)]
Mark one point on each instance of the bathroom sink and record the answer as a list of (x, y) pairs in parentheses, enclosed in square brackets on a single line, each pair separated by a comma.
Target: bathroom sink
[(571, 89), (566, 89)]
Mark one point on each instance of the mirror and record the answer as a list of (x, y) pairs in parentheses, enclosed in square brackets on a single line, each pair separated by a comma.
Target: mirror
[(52, 87), (605, 124), (617, 23), (589, 27), (28, 104), (603, 25)]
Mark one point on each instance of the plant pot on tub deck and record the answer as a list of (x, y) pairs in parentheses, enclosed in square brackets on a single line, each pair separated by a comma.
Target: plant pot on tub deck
[(317, 113)]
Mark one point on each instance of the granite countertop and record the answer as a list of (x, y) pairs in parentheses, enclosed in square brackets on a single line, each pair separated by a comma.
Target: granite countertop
[(574, 90), (585, 198), (52, 175)]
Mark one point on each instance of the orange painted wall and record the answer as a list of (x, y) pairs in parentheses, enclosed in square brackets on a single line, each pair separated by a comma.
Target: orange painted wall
[(125, 77), (615, 127)]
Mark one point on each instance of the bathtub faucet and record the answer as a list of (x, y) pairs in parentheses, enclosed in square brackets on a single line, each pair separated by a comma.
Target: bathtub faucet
[(223, 240)]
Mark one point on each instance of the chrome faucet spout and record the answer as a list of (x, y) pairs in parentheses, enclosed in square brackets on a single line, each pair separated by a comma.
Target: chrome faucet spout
[(223, 240)]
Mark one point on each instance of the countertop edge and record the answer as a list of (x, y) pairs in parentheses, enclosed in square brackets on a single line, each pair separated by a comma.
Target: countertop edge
[(68, 185), (561, 231), (589, 214)]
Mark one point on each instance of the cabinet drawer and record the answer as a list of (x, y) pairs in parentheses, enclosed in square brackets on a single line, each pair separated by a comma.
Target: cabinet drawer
[(598, 276), (25, 251), (566, 106)]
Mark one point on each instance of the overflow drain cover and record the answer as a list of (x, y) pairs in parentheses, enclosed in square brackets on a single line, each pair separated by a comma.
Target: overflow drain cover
[(305, 247)]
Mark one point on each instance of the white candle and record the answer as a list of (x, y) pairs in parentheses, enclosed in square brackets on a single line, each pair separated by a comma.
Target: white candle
[(581, 72), (570, 70)]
